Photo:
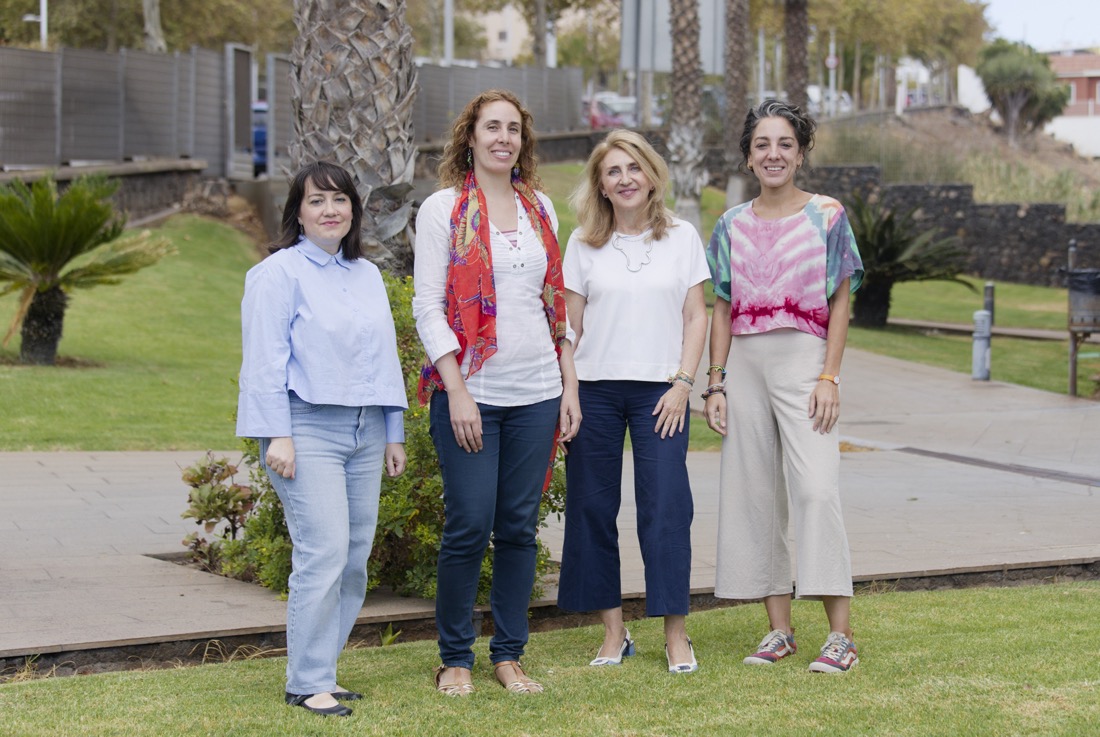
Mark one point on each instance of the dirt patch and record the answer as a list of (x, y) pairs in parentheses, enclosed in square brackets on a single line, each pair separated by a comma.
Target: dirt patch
[(71, 362), (242, 215)]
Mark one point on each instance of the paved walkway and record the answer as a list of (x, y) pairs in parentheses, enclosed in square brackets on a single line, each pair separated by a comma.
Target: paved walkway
[(964, 476)]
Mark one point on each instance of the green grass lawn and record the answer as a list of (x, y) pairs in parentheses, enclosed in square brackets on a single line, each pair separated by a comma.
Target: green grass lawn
[(156, 357), (1015, 305), (974, 662)]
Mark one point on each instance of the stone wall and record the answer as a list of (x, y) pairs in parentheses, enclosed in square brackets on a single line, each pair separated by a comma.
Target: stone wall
[(1021, 243), (145, 188)]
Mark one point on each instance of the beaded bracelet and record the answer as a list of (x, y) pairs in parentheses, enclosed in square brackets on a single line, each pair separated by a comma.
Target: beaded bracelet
[(714, 389)]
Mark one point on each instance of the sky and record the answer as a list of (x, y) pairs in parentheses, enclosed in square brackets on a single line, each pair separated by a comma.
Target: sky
[(1046, 25)]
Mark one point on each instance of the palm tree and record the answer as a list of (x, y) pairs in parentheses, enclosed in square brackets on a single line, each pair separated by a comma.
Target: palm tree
[(737, 63), (51, 244), (353, 85), (894, 250), (796, 36), (685, 134)]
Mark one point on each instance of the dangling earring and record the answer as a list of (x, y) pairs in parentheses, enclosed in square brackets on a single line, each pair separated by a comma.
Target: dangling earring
[(469, 158), (515, 172)]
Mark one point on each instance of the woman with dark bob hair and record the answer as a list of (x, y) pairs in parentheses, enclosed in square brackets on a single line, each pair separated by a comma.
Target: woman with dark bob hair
[(784, 266), (634, 279), (321, 389), (490, 310)]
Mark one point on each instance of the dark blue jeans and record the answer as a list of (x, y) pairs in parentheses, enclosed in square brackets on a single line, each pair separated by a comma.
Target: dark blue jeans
[(496, 492), (590, 573)]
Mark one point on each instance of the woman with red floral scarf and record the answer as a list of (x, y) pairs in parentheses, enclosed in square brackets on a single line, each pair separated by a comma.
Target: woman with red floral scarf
[(490, 310)]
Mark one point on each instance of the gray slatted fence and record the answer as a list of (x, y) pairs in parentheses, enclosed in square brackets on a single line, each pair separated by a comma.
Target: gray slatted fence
[(77, 105)]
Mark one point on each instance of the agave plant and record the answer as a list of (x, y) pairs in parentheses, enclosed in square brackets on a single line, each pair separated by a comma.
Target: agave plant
[(51, 243), (894, 249)]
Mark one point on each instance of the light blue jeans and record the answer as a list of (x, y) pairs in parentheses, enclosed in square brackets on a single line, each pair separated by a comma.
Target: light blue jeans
[(331, 508)]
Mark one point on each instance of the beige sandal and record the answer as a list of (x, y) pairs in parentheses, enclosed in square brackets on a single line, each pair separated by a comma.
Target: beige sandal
[(458, 688), (520, 683)]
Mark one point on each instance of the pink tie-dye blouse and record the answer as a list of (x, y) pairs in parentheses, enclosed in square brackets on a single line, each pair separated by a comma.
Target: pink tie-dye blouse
[(781, 273)]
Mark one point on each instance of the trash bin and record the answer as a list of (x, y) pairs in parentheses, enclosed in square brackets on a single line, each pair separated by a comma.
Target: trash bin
[(1084, 300)]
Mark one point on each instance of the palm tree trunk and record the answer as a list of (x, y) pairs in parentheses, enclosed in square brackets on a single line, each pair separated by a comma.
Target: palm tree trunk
[(872, 305), (737, 67), (685, 135), (796, 35), (353, 85), (41, 332)]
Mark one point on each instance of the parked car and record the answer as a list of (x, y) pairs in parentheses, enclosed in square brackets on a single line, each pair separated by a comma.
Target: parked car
[(259, 138), (610, 110)]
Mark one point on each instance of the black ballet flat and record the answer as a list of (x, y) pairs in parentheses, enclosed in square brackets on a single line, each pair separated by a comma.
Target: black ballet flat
[(299, 699), (347, 695)]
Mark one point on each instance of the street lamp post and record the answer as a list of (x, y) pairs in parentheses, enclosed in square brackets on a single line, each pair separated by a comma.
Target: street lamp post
[(42, 20)]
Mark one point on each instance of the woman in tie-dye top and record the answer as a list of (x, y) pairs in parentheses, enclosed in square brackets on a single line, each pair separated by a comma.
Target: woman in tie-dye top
[(784, 266)]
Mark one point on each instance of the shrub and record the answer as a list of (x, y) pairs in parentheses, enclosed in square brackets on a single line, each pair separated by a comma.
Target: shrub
[(894, 249), (214, 500), (410, 510)]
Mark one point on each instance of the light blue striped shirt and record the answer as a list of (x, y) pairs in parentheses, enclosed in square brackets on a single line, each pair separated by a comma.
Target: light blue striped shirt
[(320, 326)]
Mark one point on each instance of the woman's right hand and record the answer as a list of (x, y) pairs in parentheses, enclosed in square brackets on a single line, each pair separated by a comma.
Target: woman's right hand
[(465, 420), (715, 412), (280, 457)]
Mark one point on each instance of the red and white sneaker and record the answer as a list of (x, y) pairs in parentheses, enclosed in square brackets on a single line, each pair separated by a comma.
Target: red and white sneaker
[(775, 646), (838, 655)]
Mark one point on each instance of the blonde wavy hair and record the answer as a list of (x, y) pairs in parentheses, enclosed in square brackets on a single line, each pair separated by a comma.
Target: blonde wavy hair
[(454, 165), (595, 216)]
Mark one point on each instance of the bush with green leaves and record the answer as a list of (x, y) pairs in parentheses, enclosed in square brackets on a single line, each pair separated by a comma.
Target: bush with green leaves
[(410, 510), (215, 499), (894, 249)]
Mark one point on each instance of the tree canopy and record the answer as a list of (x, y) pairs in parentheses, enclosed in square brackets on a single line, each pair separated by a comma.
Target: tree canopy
[(1021, 86), (109, 25)]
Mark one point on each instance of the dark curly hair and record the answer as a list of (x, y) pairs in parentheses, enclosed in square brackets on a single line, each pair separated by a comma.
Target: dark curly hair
[(804, 126), (453, 166), (327, 177)]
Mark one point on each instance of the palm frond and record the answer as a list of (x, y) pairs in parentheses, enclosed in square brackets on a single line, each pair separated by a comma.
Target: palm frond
[(17, 274), (109, 263), (893, 246), (20, 312), (45, 230)]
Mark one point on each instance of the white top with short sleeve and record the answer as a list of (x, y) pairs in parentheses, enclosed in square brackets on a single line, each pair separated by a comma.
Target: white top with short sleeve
[(635, 291)]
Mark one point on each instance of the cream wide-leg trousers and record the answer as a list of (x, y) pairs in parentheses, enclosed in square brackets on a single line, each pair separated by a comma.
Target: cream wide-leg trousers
[(771, 454)]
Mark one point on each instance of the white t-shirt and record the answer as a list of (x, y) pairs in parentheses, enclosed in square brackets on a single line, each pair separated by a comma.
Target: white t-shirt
[(635, 292), (524, 369)]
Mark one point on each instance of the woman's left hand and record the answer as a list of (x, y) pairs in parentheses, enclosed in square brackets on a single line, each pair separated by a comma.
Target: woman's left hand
[(672, 410), (569, 416), (825, 406), (395, 459)]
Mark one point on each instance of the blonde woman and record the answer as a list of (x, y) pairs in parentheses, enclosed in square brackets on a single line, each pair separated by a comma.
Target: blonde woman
[(634, 277)]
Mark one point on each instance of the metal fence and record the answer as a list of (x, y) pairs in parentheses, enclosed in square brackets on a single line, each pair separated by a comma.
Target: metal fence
[(79, 106), (552, 95)]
